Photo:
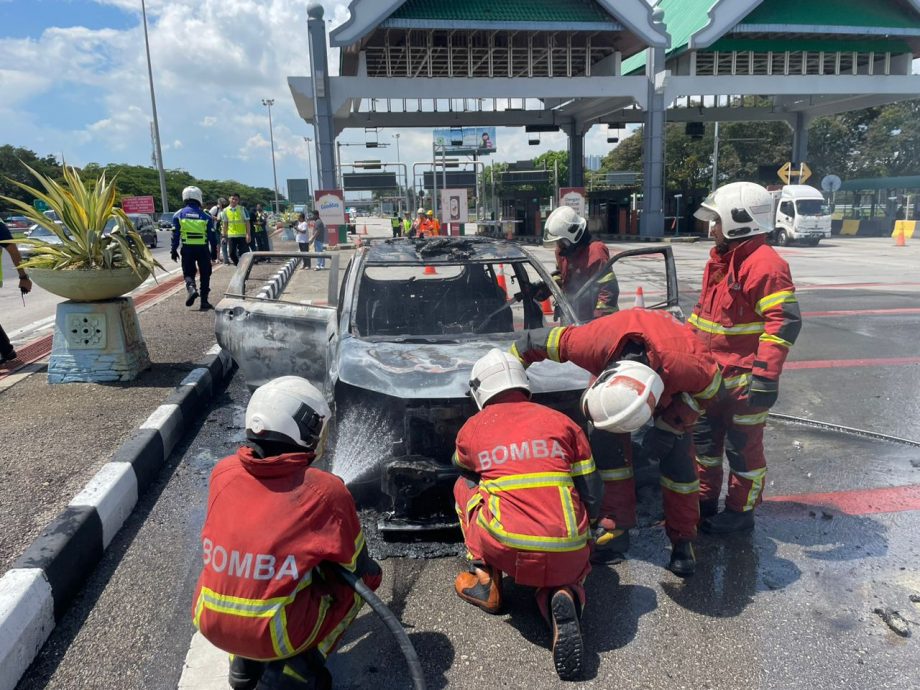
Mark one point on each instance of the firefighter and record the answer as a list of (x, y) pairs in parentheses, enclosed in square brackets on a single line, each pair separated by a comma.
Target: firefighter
[(648, 367), (526, 497), (579, 259), (268, 593), (195, 228), (748, 317)]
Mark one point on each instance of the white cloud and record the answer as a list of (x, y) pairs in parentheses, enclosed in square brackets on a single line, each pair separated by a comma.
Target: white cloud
[(208, 121)]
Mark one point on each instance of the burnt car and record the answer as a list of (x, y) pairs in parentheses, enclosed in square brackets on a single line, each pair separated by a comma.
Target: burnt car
[(392, 345)]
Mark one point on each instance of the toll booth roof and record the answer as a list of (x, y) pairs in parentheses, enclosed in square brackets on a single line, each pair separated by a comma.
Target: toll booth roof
[(443, 250)]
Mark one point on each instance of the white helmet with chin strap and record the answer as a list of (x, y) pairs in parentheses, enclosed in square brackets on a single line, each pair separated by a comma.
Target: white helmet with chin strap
[(564, 224), (191, 193), (289, 410), (496, 372), (623, 398), (745, 209)]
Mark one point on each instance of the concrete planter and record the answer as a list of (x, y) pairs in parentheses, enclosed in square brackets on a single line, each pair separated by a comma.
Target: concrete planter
[(87, 285)]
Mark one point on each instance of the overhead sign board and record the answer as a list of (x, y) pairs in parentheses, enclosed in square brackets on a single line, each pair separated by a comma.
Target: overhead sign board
[(298, 190), (455, 178), (369, 181), (454, 206), (138, 204), (331, 206), (800, 173), (465, 140), (573, 197)]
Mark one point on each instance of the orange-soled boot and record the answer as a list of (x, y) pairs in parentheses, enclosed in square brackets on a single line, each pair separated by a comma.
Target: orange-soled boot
[(482, 587)]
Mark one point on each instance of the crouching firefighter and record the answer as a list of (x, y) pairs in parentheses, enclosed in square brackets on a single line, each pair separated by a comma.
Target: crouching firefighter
[(268, 593), (648, 366), (195, 228), (526, 496)]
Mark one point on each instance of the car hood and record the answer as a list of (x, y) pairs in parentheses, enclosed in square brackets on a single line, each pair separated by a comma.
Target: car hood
[(437, 370)]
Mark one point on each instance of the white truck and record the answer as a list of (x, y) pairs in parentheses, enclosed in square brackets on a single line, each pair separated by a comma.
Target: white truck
[(802, 215)]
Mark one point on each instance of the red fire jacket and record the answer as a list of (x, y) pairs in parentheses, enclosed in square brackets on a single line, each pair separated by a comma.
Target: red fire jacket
[(691, 377), (270, 524), (747, 315), (578, 268), (536, 475)]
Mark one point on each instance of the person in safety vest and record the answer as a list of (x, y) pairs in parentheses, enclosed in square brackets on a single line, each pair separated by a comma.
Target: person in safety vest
[(407, 225), (235, 219), (7, 351), (434, 224), (396, 224), (579, 259), (648, 367), (268, 593), (526, 496), (748, 317), (195, 228), (418, 224)]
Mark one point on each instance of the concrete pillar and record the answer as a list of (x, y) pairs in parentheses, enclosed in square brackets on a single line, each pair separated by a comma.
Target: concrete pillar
[(652, 221), (324, 138), (800, 138), (576, 156)]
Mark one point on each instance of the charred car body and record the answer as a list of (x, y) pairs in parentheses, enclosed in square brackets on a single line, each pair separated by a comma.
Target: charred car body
[(392, 345)]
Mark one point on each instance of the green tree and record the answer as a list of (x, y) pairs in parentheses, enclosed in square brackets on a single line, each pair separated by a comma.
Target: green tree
[(11, 168)]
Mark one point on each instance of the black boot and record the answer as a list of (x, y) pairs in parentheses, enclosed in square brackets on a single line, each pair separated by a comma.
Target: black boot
[(683, 560), (729, 521), (708, 509), (192, 294), (205, 305), (568, 646), (245, 673)]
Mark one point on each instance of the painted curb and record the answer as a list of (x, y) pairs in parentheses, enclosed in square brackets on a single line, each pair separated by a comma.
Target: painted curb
[(37, 590)]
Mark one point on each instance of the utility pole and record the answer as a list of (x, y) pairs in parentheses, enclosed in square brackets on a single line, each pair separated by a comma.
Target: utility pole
[(269, 102), (715, 159), (398, 162), (309, 170), (156, 124)]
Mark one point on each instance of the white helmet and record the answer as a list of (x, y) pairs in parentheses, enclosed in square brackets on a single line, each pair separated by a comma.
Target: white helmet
[(191, 193), (291, 410), (496, 372), (745, 209), (623, 397), (420, 212), (564, 224)]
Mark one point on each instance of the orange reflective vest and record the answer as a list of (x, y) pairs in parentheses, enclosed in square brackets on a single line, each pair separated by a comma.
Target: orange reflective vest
[(263, 593)]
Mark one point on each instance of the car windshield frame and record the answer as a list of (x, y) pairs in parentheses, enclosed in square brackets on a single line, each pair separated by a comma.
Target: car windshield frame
[(809, 205)]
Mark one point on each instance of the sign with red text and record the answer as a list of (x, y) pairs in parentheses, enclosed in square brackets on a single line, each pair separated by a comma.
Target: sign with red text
[(331, 205), (138, 204)]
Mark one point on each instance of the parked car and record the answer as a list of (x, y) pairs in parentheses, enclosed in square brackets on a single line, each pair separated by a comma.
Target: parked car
[(165, 221), (145, 227), (17, 223), (393, 347), (37, 232)]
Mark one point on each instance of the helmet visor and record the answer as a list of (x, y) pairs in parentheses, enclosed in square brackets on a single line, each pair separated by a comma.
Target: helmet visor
[(707, 210)]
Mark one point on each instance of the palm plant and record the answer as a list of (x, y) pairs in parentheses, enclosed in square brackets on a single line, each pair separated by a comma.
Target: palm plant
[(83, 211)]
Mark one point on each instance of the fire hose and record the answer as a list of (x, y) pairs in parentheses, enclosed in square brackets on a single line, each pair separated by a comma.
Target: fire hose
[(392, 623), (840, 429)]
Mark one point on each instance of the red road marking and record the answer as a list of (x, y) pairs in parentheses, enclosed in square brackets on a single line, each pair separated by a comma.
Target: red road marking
[(839, 363), (861, 312), (894, 499)]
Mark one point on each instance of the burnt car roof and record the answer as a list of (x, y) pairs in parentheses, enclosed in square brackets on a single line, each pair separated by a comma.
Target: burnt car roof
[(442, 250)]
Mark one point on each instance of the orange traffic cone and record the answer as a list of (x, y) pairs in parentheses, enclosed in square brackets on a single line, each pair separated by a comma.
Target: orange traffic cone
[(547, 307), (640, 299), (501, 279), (364, 229), (429, 271), (899, 239)]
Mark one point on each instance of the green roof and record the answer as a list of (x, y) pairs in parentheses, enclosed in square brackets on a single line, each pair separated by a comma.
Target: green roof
[(683, 18), (871, 183), (855, 13), (503, 10)]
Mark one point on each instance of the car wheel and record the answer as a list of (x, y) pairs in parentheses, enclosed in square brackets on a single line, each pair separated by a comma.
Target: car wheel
[(782, 238), (815, 242)]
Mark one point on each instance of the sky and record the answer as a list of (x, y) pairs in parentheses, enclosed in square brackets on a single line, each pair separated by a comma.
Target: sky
[(74, 81)]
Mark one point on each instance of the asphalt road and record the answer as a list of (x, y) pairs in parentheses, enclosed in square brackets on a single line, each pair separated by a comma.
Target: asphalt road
[(789, 606)]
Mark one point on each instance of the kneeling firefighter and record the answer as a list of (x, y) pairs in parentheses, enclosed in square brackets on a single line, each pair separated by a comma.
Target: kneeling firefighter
[(195, 228), (274, 531), (526, 496), (648, 366), (579, 258)]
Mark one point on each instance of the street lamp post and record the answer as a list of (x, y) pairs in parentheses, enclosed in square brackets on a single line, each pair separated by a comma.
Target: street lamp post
[(156, 122), (398, 162), (269, 102), (309, 167)]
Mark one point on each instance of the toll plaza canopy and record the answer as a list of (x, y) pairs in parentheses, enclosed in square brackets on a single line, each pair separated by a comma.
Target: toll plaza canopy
[(571, 64)]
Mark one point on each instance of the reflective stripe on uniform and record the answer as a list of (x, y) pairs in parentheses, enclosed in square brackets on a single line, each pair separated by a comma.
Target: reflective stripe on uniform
[(528, 542), (739, 381), (681, 487), (193, 231), (583, 467), (616, 475), (755, 328), (774, 300), (709, 391), (327, 643), (709, 460), (517, 355), (756, 477), (751, 419), (691, 403), (552, 343), (767, 338)]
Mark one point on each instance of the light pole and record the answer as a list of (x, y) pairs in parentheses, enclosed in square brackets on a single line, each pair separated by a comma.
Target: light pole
[(309, 167), (269, 102), (156, 123), (398, 162)]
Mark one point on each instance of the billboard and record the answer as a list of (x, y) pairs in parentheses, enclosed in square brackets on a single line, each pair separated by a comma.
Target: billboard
[(573, 197), (465, 140), (331, 205), (454, 206), (138, 204), (455, 178), (298, 190)]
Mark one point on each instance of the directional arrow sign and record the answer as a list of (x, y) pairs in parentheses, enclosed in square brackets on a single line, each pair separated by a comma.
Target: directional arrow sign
[(784, 172), (802, 172)]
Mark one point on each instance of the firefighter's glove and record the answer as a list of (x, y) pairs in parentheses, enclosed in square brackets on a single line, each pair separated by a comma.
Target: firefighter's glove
[(174, 255), (604, 531), (659, 441), (762, 392)]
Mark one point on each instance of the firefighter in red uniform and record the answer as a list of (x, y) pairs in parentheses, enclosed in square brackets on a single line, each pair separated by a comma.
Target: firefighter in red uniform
[(748, 318), (267, 593), (578, 260), (526, 497), (647, 366)]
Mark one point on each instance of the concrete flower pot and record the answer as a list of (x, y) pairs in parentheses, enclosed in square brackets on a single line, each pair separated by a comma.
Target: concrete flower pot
[(87, 285)]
